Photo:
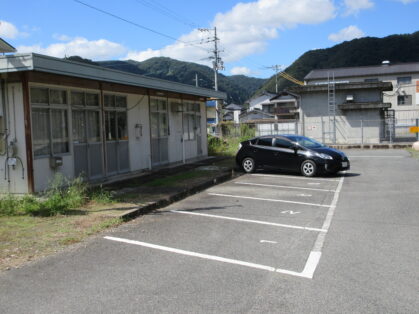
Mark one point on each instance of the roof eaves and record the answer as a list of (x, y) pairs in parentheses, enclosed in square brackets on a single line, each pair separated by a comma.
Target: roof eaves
[(53, 65)]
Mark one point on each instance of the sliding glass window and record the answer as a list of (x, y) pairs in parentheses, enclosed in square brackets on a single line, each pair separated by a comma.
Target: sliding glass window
[(49, 121)]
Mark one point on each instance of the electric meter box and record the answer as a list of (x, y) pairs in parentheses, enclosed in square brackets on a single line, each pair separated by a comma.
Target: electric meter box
[(55, 162)]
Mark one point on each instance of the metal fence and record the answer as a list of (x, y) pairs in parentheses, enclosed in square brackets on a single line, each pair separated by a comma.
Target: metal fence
[(346, 131)]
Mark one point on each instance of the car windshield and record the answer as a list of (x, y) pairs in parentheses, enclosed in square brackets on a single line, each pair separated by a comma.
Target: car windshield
[(306, 142)]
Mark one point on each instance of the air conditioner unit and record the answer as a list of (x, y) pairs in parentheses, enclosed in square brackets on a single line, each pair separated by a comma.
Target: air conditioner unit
[(349, 98)]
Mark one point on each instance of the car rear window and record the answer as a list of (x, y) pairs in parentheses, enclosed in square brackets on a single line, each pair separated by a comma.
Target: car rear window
[(279, 142), (265, 141)]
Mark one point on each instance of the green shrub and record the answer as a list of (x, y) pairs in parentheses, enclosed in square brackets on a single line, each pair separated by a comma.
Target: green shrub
[(9, 206), (99, 195), (61, 196)]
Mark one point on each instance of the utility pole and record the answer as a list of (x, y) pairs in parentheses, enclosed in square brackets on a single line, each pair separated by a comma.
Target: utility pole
[(217, 64), (196, 80), (277, 68)]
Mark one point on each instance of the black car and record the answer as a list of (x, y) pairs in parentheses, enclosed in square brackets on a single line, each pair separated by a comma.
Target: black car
[(292, 153)]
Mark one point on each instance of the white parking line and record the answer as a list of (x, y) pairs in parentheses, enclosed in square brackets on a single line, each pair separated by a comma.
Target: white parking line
[(350, 157), (284, 186), (267, 199), (306, 273), (268, 241), (293, 177), (315, 254), (251, 221), (190, 253)]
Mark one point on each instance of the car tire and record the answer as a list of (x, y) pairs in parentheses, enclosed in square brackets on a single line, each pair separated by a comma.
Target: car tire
[(308, 168), (248, 165)]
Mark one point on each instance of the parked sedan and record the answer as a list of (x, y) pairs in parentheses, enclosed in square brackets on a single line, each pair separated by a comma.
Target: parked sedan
[(292, 153)]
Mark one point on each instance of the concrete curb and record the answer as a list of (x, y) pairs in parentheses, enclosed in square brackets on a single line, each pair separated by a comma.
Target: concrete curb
[(145, 209)]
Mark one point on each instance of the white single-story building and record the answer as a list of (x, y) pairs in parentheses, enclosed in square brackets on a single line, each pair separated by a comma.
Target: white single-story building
[(60, 116)]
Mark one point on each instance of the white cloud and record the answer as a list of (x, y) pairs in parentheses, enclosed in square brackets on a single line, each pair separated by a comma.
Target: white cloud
[(240, 71), (245, 29), (347, 33), (354, 6), (61, 37), (94, 49), (406, 1), (8, 30)]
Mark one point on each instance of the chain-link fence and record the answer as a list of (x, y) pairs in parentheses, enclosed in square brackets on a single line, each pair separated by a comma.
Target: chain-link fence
[(342, 131)]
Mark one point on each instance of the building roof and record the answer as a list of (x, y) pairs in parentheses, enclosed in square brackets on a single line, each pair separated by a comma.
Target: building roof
[(311, 88), (373, 70), (283, 96), (42, 63), (257, 100), (6, 47), (233, 107)]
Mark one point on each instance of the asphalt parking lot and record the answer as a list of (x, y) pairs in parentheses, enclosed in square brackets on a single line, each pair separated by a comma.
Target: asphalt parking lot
[(265, 242)]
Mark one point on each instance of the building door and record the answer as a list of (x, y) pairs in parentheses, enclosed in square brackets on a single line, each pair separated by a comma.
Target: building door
[(87, 139), (116, 130), (87, 144), (159, 131), (117, 154)]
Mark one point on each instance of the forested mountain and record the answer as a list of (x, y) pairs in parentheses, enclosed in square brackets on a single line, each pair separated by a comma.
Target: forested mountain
[(357, 52), (238, 87)]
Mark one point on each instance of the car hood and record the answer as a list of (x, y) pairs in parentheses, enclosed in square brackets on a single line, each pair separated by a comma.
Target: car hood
[(329, 151)]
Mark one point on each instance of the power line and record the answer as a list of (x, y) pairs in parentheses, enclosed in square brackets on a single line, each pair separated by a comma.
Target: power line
[(167, 12), (135, 24)]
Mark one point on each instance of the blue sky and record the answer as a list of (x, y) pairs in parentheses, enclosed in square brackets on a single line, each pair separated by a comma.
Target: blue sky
[(253, 34)]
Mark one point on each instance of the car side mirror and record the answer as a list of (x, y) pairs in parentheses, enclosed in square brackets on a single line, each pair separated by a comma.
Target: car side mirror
[(295, 147)]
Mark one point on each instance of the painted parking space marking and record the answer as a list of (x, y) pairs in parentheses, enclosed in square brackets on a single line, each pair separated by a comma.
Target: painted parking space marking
[(400, 156), (283, 186), (291, 212), (293, 177), (267, 241), (268, 199), (304, 195), (194, 254), (251, 221), (306, 273), (313, 183)]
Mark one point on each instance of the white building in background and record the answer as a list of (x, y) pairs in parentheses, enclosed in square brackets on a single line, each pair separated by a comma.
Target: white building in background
[(59, 116), (257, 102), (404, 97)]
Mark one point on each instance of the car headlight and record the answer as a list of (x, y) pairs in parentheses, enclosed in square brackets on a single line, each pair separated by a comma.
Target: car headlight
[(324, 156)]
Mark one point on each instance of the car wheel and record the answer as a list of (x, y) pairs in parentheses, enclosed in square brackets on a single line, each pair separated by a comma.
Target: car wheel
[(248, 164), (308, 168)]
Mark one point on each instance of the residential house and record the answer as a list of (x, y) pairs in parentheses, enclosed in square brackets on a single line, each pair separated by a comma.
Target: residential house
[(232, 113)]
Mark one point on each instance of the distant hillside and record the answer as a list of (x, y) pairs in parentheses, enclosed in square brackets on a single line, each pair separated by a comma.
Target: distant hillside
[(238, 87), (357, 52)]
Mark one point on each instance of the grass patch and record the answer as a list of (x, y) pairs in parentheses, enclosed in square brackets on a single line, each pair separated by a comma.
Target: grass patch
[(413, 153), (62, 197), (25, 238)]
